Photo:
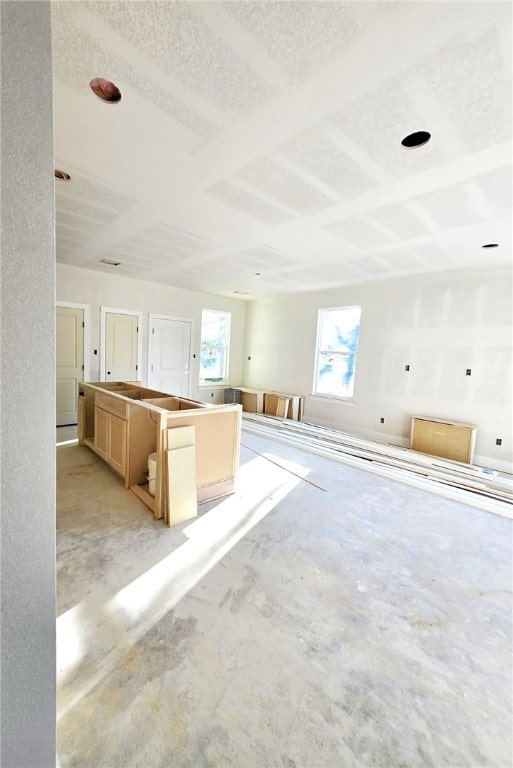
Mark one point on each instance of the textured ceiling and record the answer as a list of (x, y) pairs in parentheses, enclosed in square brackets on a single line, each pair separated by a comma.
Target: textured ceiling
[(257, 145)]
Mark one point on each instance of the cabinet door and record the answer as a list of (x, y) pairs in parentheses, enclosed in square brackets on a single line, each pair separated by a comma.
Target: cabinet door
[(101, 419), (117, 443)]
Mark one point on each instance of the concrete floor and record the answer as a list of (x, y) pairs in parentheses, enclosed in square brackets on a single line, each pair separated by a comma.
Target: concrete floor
[(365, 625)]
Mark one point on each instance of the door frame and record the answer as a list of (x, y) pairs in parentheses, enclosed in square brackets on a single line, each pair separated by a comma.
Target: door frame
[(117, 311), (158, 316), (87, 317)]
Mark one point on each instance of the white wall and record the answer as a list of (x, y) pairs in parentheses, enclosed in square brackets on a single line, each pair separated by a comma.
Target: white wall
[(28, 390), (85, 286), (438, 324)]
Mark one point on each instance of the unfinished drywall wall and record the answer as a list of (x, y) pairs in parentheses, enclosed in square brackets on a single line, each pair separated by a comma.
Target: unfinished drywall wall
[(28, 390), (86, 286), (440, 325)]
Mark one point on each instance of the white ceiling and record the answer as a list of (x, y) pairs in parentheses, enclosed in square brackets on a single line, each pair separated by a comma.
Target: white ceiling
[(265, 137)]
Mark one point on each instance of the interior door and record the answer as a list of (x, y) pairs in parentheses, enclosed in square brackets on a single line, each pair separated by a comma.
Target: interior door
[(121, 347), (170, 346), (69, 362)]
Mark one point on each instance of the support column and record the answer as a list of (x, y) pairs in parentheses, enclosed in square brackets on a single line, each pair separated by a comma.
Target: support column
[(28, 389)]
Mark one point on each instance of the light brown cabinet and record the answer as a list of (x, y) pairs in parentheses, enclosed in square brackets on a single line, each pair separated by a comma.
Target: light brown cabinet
[(124, 423)]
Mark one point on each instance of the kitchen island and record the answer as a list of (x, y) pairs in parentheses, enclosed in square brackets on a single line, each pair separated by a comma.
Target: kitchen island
[(124, 423)]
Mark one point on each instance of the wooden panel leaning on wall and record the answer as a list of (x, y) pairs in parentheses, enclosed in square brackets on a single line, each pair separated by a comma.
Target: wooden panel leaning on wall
[(283, 406), (448, 439)]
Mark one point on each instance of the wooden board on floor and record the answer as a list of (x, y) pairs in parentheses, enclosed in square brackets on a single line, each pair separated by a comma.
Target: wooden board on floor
[(480, 488), (144, 496)]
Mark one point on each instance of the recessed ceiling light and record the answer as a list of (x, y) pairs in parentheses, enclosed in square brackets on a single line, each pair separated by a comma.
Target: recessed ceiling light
[(490, 245), (417, 139), (110, 262), (105, 90), (242, 293), (62, 175)]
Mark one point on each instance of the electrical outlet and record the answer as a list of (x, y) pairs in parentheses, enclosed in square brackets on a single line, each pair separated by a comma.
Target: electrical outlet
[(468, 372), (382, 420), (498, 441), (95, 351), (406, 367), (249, 357), (211, 394)]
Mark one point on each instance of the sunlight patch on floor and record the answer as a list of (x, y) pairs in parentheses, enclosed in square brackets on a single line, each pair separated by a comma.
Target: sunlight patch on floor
[(107, 629)]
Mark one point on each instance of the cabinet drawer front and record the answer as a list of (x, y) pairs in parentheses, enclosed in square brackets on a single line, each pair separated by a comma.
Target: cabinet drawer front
[(111, 404)]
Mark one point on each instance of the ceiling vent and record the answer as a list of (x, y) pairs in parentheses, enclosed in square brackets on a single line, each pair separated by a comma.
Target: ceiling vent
[(62, 175), (105, 90), (414, 140), (110, 262)]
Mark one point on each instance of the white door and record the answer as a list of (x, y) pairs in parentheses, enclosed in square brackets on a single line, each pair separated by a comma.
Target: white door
[(169, 354), (70, 362), (121, 346)]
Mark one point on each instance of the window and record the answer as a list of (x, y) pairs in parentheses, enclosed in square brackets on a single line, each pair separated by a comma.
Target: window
[(337, 344), (215, 340)]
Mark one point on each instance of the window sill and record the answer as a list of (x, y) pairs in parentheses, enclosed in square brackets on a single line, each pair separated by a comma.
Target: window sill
[(332, 399), (214, 385)]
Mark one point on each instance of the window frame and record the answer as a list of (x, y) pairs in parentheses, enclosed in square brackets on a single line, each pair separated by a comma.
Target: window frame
[(205, 382), (322, 312)]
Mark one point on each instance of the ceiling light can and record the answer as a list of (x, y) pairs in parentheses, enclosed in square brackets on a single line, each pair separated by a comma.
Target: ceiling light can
[(110, 262), (105, 90), (61, 175), (417, 139)]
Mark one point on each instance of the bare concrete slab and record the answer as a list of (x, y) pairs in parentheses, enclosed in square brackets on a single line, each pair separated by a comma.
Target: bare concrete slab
[(367, 624)]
